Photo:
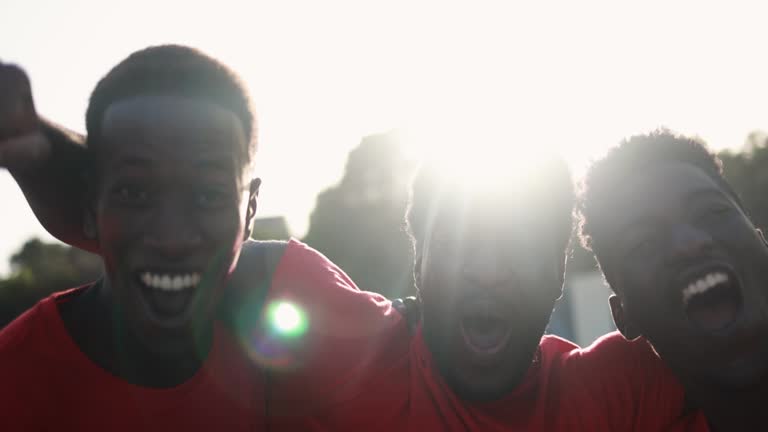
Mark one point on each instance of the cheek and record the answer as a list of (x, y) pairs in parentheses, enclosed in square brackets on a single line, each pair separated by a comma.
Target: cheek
[(439, 282), (116, 233), (742, 237), (223, 226), (639, 290), (224, 232)]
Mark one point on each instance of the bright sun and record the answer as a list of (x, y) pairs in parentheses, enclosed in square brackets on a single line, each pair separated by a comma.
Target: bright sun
[(479, 154)]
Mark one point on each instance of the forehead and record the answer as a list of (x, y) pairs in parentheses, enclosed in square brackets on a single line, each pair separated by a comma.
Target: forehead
[(658, 194), (475, 220), (665, 185), (171, 128)]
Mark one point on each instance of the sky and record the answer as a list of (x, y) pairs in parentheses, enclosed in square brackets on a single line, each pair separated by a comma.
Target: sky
[(574, 77)]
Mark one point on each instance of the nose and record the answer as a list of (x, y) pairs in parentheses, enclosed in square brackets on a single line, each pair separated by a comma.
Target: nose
[(172, 232), (484, 267), (690, 242)]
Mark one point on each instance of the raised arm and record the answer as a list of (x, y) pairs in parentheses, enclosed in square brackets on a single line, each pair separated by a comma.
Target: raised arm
[(46, 160)]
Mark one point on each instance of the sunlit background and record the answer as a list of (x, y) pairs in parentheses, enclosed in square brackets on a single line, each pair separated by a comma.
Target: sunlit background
[(573, 76)]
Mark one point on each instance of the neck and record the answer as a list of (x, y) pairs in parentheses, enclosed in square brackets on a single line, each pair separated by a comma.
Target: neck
[(102, 334), (728, 410)]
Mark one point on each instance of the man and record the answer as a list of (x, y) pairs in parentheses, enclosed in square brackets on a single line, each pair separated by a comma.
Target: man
[(490, 262), (169, 204), (687, 267), (489, 269)]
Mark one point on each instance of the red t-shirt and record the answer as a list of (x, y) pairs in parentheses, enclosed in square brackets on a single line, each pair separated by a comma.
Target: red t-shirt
[(614, 385), (355, 367), (361, 369), (352, 339), (49, 384), (46, 382), (618, 385)]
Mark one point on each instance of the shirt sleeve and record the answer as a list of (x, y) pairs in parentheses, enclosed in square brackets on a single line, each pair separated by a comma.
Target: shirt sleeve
[(622, 385), (337, 340), (25, 391)]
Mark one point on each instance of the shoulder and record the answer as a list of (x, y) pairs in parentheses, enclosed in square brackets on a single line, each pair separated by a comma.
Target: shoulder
[(314, 284), (351, 341), (551, 344), (624, 382), (553, 353), (299, 261), (21, 333), (614, 349), (25, 364), (35, 333)]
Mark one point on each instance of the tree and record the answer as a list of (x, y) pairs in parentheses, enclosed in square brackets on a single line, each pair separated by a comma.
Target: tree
[(359, 223), (270, 228), (747, 172), (40, 269)]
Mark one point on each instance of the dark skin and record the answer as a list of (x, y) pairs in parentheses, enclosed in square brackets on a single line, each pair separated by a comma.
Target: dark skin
[(169, 195), (453, 267), (476, 263), (672, 224), (39, 154)]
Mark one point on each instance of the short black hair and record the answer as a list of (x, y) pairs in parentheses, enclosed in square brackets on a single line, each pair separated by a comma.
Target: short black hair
[(172, 70), (550, 184), (602, 184)]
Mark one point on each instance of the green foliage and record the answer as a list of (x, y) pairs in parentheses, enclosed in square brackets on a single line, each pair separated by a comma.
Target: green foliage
[(40, 269), (359, 223), (747, 172), (270, 228)]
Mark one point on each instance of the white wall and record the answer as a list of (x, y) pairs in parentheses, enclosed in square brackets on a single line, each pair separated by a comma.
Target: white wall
[(590, 314)]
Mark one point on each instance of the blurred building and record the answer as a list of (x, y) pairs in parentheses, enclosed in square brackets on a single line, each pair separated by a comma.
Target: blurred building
[(270, 228), (583, 315)]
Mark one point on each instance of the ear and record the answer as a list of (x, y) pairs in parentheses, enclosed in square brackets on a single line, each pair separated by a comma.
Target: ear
[(89, 211), (620, 319), (250, 213)]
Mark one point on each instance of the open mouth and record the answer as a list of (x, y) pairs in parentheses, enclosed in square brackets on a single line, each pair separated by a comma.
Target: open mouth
[(485, 330), (168, 295), (712, 300)]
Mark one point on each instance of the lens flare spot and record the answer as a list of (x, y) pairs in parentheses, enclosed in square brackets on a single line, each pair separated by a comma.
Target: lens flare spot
[(287, 319)]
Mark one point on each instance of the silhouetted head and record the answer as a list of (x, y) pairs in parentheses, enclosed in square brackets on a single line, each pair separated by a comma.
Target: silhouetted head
[(688, 267), (490, 260), (171, 132)]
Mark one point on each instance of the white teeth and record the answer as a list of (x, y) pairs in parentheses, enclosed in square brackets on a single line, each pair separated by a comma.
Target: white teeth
[(703, 284), (168, 282)]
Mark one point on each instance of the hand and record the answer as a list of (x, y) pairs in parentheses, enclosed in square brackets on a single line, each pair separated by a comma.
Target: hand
[(22, 143)]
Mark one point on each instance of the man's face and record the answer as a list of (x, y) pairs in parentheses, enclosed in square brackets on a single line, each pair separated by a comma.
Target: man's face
[(692, 275), (170, 212), (488, 279)]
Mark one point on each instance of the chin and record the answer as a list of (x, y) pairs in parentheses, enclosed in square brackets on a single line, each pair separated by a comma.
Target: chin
[(482, 389)]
